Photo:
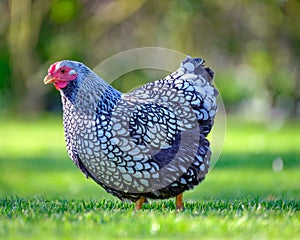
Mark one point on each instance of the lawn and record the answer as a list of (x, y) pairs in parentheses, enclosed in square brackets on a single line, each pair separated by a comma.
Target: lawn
[(253, 191)]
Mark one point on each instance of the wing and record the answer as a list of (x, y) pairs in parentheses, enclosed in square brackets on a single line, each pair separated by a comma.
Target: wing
[(154, 125)]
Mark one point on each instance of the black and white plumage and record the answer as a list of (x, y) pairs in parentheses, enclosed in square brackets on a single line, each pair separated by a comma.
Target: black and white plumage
[(149, 143)]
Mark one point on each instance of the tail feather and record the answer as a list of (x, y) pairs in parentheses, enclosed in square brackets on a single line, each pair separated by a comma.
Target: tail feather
[(196, 65)]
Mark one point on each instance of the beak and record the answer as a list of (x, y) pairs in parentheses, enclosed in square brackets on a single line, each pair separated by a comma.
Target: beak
[(49, 79)]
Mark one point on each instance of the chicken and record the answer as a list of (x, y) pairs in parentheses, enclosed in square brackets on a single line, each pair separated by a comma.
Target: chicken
[(149, 143)]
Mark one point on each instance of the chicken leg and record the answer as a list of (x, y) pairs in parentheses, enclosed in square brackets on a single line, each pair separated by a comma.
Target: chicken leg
[(139, 203), (179, 203)]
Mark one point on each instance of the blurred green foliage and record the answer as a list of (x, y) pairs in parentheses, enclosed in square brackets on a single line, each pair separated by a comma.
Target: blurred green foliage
[(63, 11), (253, 46)]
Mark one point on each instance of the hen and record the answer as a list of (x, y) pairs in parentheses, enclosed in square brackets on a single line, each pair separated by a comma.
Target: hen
[(149, 143)]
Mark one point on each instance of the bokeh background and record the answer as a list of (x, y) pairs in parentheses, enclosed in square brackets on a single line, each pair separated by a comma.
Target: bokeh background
[(253, 46)]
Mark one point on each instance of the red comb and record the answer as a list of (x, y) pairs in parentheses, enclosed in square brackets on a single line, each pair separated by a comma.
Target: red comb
[(52, 68)]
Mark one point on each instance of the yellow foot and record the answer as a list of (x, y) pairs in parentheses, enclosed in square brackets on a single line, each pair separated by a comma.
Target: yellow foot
[(139, 203)]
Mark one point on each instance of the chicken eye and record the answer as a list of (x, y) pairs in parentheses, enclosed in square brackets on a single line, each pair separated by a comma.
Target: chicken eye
[(62, 71)]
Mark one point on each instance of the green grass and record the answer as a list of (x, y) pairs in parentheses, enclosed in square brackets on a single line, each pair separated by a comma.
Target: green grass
[(89, 219), (44, 196)]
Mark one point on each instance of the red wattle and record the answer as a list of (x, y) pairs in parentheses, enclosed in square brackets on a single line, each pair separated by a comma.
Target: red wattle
[(60, 84)]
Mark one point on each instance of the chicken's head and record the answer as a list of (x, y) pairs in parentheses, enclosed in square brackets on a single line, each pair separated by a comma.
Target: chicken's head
[(60, 74)]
